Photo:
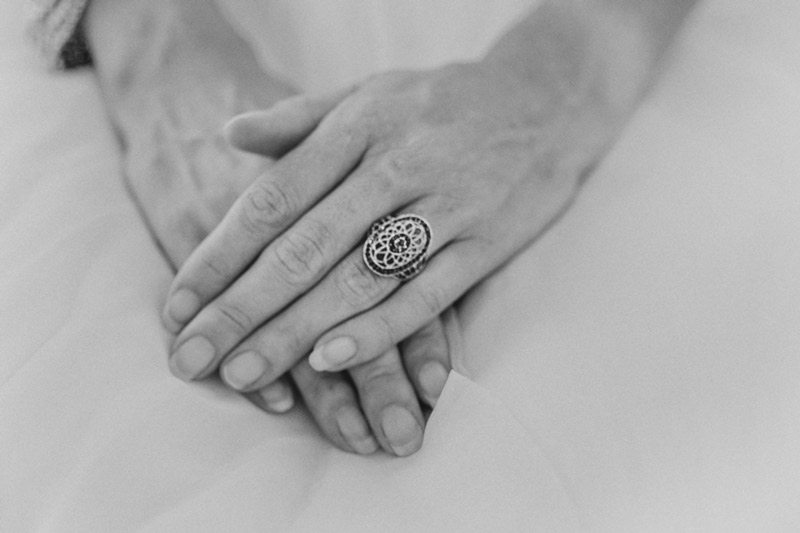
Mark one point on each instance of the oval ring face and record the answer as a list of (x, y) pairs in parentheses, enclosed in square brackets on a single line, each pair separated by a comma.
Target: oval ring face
[(397, 246)]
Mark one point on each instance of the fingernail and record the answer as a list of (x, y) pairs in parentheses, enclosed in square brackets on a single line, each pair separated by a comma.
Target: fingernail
[(192, 358), (243, 370), (278, 397), (332, 354), (355, 431), (432, 377), (180, 308), (402, 430)]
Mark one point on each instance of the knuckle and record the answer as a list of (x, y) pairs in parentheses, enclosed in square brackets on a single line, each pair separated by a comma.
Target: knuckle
[(377, 374), (385, 176), (266, 206), (399, 170), (234, 316), (357, 285), (373, 114), (352, 134), (347, 123), (402, 162), (300, 255), (215, 265)]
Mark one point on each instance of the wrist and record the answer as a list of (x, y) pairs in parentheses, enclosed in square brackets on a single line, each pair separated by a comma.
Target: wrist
[(171, 43), (178, 61), (598, 54), (584, 66)]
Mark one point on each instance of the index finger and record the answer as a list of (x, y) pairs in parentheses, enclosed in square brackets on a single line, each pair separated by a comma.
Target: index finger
[(270, 205)]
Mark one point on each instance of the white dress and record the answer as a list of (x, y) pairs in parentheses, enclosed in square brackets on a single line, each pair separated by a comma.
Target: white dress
[(636, 369)]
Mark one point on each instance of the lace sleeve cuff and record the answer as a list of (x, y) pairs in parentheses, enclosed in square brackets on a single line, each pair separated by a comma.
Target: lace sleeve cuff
[(56, 29)]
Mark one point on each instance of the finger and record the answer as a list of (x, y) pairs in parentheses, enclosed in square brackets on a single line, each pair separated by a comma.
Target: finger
[(450, 273), (426, 356), (263, 211), (332, 403), (275, 398), (274, 131), (389, 403)]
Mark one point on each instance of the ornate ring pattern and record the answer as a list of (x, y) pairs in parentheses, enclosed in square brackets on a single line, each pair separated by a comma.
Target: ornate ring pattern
[(397, 246)]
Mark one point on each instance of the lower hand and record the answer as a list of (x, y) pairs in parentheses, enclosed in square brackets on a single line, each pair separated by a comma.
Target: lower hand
[(380, 402)]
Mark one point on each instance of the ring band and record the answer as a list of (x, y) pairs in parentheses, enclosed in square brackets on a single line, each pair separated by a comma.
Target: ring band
[(397, 246)]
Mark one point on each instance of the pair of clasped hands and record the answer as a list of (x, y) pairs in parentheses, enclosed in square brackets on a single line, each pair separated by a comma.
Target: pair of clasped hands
[(282, 276), (488, 152)]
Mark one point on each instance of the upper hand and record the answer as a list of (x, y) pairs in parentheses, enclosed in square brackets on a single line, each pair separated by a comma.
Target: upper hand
[(488, 160)]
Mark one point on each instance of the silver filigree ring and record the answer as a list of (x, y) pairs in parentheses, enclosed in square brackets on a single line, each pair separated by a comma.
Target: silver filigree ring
[(397, 246)]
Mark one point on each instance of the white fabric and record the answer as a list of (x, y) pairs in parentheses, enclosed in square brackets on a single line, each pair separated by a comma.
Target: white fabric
[(323, 45), (637, 369)]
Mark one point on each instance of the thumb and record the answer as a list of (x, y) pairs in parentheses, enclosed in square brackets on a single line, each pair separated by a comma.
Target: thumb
[(274, 131)]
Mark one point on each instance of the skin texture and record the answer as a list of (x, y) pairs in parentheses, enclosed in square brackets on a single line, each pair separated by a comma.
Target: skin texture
[(172, 73), (491, 153)]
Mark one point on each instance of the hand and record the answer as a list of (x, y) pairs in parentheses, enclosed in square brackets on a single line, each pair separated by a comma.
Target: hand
[(488, 158), (168, 93)]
